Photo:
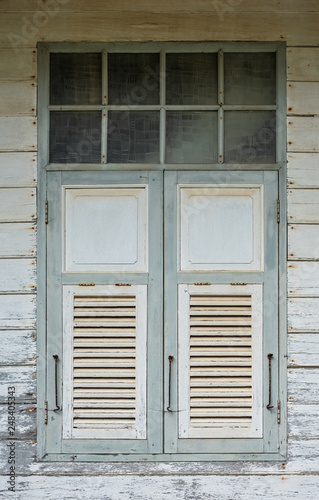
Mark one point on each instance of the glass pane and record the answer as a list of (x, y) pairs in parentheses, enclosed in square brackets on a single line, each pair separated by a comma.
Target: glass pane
[(133, 137), (133, 78), (75, 79), (250, 136), (191, 137), (250, 78), (75, 137), (191, 79)]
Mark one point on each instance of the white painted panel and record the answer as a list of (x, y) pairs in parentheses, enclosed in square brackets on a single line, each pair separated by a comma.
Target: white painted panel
[(18, 347), (303, 315), (18, 98), (303, 385), (302, 134), (303, 242), (220, 228), (25, 421), (17, 275), (303, 98), (18, 169), (17, 311), (303, 64), (303, 279), (303, 421), (303, 206), (23, 378), (303, 170), (18, 64), (237, 358), (106, 229), (17, 240), (17, 204), (18, 134), (303, 349)]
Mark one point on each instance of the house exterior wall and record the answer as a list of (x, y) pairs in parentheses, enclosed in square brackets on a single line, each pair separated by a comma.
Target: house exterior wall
[(22, 25)]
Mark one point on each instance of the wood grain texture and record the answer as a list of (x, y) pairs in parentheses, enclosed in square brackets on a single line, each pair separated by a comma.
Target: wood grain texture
[(303, 279), (18, 347), (17, 311), (303, 421), (303, 170), (303, 64), (23, 378), (302, 134), (303, 98), (18, 134), (18, 169), (303, 350), (18, 64), (303, 385), (303, 242), (17, 240), (18, 98), (25, 421), (303, 315), (17, 205), (220, 22), (303, 206), (17, 275)]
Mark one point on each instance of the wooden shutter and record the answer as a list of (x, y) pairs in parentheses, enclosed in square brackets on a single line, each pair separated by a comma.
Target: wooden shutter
[(104, 372), (220, 343)]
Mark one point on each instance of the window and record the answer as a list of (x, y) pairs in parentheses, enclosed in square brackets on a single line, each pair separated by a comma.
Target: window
[(162, 175)]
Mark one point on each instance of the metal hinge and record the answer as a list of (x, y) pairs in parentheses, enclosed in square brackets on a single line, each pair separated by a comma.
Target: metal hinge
[(47, 212), (46, 413), (278, 211), (278, 412)]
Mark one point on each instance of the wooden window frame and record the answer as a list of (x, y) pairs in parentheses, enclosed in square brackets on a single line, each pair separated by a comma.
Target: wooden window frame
[(44, 167)]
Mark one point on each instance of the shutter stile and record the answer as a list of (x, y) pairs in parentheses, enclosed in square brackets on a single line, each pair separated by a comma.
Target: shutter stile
[(218, 357), (106, 365)]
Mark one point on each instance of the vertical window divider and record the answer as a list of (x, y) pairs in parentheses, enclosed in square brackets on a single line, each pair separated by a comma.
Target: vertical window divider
[(162, 104), (105, 97), (221, 125)]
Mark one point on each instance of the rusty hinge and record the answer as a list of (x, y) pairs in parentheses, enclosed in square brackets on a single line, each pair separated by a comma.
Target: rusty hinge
[(86, 284), (123, 284), (202, 284), (238, 284), (47, 212), (278, 211), (278, 412), (46, 413)]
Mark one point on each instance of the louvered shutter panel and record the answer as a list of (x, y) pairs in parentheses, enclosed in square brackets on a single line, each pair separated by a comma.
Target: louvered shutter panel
[(105, 377), (220, 343)]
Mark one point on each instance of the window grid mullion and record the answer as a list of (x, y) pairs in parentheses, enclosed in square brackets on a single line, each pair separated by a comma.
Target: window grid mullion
[(221, 121)]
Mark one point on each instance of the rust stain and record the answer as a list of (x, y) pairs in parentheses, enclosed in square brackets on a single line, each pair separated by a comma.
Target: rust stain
[(290, 108), (32, 409)]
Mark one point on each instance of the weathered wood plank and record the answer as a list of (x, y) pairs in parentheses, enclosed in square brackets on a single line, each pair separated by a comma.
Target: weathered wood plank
[(303, 170), (303, 279), (18, 169), (303, 385), (17, 204), (18, 347), (25, 421), (17, 311), (18, 134), (303, 242), (17, 240), (164, 6), (18, 98), (303, 64), (303, 206), (302, 133), (303, 98), (18, 64), (17, 275), (23, 378), (303, 350), (183, 487), (303, 421), (303, 315), (219, 23)]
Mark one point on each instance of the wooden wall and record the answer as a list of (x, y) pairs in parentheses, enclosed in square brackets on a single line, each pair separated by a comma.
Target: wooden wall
[(22, 25)]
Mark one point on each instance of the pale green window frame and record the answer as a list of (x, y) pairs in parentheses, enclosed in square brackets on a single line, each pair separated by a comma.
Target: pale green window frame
[(44, 167)]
